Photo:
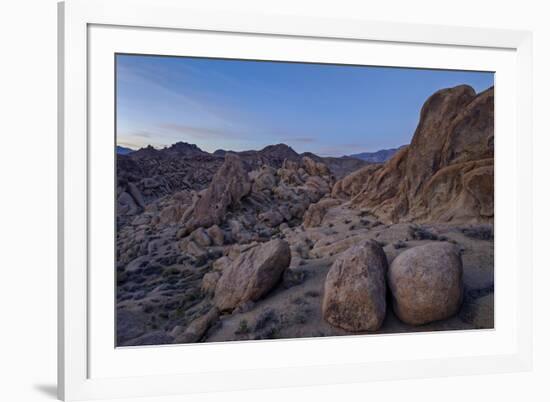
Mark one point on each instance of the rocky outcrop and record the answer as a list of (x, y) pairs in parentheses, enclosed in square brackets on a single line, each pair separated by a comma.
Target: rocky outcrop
[(445, 174), (355, 289), (426, 283), (353, 183), (316, 212), (229, 185), (209, 282), (196, 329), (216, 234), (252, 274)]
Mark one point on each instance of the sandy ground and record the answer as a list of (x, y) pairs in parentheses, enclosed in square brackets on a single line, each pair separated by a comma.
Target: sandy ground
[(293, 309)]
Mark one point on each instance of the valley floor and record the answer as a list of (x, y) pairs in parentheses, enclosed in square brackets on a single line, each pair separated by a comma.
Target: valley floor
[(155, 301)]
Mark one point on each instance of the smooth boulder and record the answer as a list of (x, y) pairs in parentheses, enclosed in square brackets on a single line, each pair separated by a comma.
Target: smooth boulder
[(355, 289), (252, 274), (426, 283)]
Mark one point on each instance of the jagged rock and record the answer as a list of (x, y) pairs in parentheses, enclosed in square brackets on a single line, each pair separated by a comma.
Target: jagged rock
[(284, 210), (136, 195), (316, 188), (271, 218), (209, 281), (197, 328), (316, 212), (171, 214), (228, 186), (201, 237), (290, 164), (426, 283), (355, 289), (353, 183), (289, 175), (216, 234), (195, 250), (265, 180), (445, 174), (221, 263), (315, 168), (252, 274), (142, 219), (126, 204)]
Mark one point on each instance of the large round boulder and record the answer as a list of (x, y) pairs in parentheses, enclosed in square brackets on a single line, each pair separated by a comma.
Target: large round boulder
[(252, 274), (355, 289), (426, 283)]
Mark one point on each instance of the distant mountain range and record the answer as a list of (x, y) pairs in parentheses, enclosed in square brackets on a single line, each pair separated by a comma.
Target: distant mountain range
[(123, 150), (377, 157), (184, 148)]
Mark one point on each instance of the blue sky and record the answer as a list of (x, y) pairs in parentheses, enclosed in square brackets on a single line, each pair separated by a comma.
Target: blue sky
[(331, 110)]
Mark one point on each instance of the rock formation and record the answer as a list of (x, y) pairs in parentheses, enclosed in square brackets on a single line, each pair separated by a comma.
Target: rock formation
[(252, 274), (355, 289), (444, 175), (426, 283), (228, 186)]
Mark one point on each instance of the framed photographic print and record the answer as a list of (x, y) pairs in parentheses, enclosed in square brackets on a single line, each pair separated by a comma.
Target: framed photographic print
[(246, 196)]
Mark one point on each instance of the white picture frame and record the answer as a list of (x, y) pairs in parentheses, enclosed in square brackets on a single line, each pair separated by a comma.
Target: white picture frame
[(90, 368)]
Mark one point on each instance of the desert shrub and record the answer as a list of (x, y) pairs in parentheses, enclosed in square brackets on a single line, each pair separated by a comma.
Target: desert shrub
[(399, 244), (477, 293), (121, 277), (271, 333), (301, 317), (421, 233), (299, 301), (479, 232), (266, 318), (243, 328), (170, 271), (312, 293)]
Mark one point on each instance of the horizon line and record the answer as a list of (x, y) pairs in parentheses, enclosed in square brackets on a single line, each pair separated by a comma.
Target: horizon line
[(160, 148)]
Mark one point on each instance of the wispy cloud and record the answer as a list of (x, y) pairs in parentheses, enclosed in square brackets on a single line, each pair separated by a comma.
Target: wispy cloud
[(137, 133), (198, 132)]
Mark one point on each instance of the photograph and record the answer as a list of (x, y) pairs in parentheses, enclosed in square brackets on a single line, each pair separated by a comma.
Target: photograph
[(260, 200)]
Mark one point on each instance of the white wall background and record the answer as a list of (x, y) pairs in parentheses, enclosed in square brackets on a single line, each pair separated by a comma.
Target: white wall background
[(28, 199)]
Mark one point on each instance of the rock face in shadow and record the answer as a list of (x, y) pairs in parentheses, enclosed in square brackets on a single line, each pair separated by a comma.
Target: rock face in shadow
[(252, 274), (426, 283), (355, 289), (444, 175)]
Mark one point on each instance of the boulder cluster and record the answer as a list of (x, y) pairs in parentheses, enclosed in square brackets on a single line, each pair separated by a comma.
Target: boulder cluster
[(425, 283)]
